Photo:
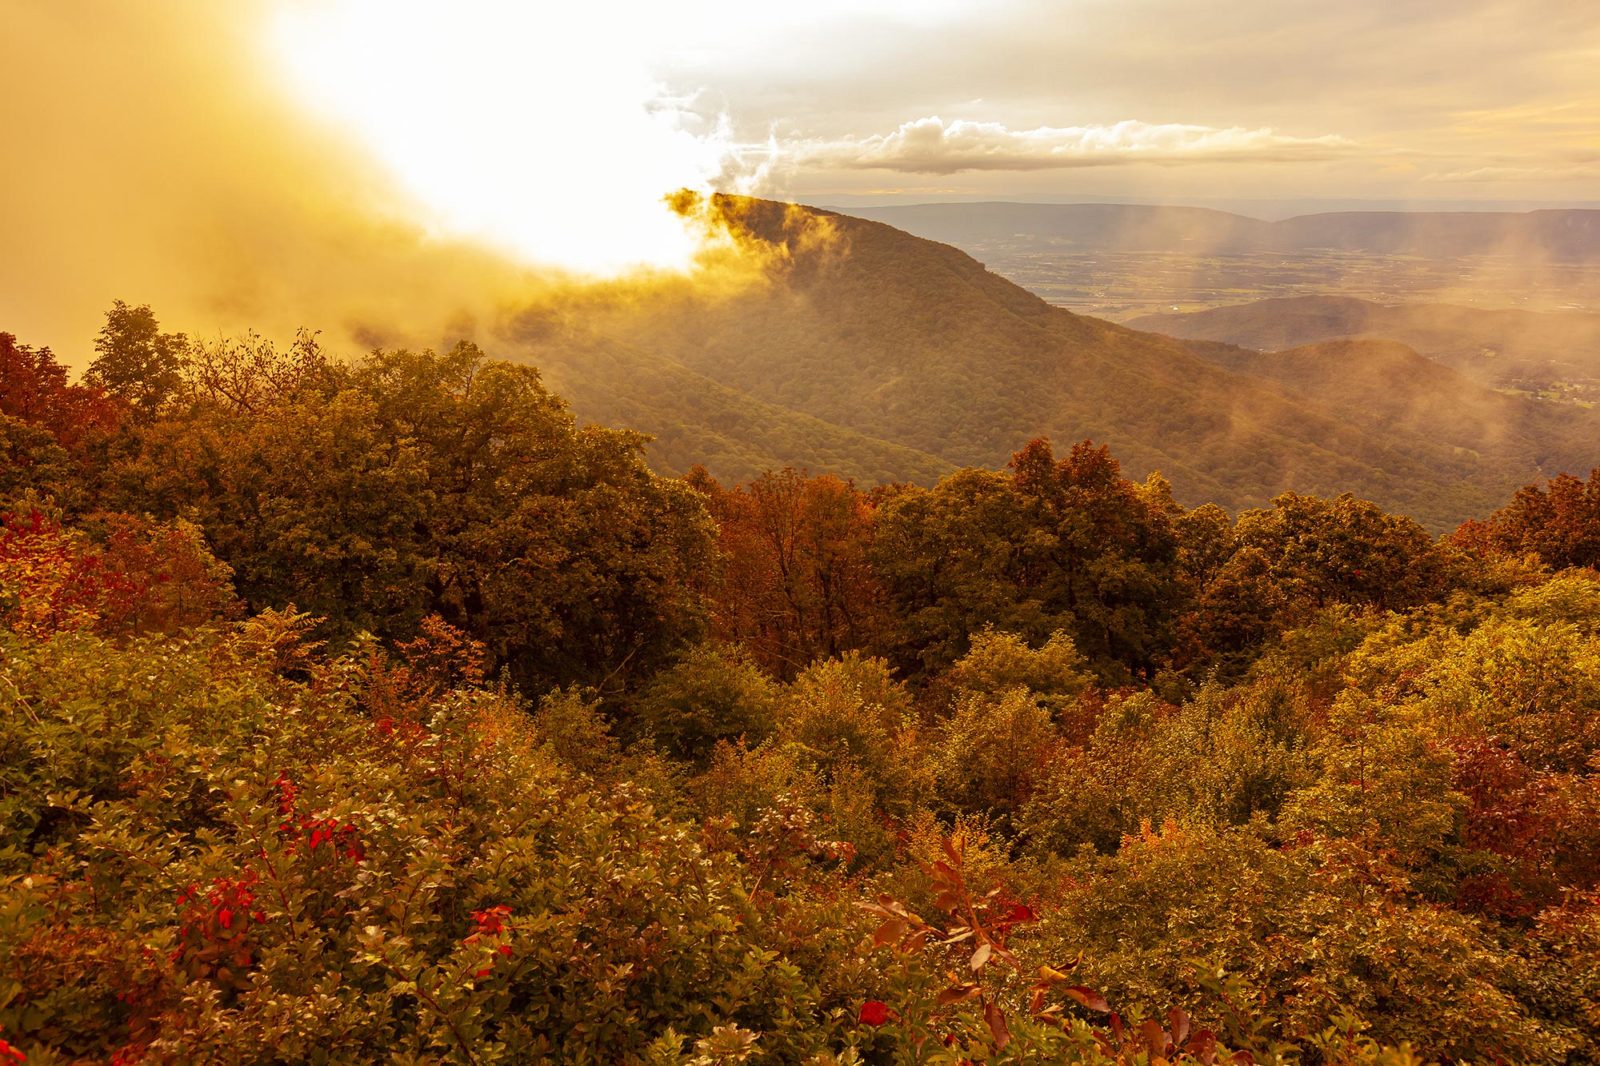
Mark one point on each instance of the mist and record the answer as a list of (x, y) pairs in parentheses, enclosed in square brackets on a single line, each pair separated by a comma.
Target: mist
[(176, 162)]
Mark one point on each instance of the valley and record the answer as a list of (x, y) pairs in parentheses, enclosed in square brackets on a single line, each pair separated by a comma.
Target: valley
[(1120, 261)]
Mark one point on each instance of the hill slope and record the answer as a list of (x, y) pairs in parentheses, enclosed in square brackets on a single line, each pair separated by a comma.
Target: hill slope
[(696, 420), (878, 339), (1536, 351), (1391, 388)]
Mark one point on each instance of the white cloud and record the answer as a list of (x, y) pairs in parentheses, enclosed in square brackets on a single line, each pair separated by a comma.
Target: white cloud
[(934, 146), (1559, 172)]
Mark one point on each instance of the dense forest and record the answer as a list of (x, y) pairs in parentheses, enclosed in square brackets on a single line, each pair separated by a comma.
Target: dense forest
[(378, 711)]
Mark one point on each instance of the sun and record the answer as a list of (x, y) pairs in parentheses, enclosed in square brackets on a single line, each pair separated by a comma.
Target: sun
[(537, 131)]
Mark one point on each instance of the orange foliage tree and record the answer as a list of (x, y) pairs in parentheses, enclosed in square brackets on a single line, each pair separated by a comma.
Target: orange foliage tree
[(795, 584)]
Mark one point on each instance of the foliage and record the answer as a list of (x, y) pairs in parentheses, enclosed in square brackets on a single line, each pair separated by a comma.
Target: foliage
[(521, 752), (713, 693), (135, 361), (794, 583), (212, 862), (1062, 544), (1559, 521), (413, 484)]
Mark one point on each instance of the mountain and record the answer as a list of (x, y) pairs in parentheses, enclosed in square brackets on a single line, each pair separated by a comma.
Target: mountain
[(1388, 387), (868, 349), (1536, 351), (695, 420), (1563, 235)]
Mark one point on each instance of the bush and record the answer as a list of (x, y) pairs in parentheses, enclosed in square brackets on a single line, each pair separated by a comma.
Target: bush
[(714, 692), (204, 860)]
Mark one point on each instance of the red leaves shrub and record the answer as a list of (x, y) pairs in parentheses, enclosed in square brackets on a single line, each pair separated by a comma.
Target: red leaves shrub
[(1544, 826), (216, 934), (489, 922), (139, 577), (343, 838), (490, 925)]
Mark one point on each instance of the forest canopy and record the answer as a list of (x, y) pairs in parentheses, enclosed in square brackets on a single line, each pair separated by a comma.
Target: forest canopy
[(376, 710)]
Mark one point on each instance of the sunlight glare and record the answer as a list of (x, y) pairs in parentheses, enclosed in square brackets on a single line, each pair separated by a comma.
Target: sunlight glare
[(511, 124)]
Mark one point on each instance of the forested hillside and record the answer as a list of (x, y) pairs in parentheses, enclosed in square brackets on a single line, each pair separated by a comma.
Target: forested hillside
[(878, 355), (1553, 353), (1387, 386), (378, 711)]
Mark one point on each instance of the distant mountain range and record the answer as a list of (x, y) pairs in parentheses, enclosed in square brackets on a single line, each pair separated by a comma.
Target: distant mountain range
[(1565, 235), (882, 356)]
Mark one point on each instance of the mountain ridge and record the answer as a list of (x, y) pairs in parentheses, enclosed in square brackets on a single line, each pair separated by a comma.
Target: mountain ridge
[(916, 345), (1506, 348)]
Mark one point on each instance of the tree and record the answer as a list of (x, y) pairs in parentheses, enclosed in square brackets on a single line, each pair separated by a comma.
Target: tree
[(794, 582), (1343, 550), (1064, 544), (713, 693), (1559, 521), (137, 362), (250, 373), (415, 483), (34, 388)]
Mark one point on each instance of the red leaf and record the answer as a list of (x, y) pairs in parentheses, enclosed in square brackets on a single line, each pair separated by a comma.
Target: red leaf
[(1088, 997), (1154, 1037), (997, 1025), (950, 850), (1178, 1022), (873, 1012), (957, 994)]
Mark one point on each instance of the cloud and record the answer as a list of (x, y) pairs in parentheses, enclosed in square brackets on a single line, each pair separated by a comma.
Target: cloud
[(1558, 172), (934, 146)]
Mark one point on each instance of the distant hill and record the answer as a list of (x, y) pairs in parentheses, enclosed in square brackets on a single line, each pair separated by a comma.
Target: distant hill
[(1542, 352), (1389, 387), (1565, 235), (882, 355)]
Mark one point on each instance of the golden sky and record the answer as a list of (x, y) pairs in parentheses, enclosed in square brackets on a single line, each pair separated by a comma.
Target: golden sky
[(347, 162)]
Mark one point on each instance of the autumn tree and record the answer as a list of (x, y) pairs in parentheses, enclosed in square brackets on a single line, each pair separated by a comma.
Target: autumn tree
[(34, 388), (135, 361), (1559, 521), (1057, 544), (794, 582)]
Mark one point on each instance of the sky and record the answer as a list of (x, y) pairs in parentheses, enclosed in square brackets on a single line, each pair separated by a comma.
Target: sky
[(345, 162)]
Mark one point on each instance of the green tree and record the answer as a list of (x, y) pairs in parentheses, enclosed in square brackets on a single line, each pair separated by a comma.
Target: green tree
[(135, 361), (715, 692), (1058, 544), (414, 483)]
